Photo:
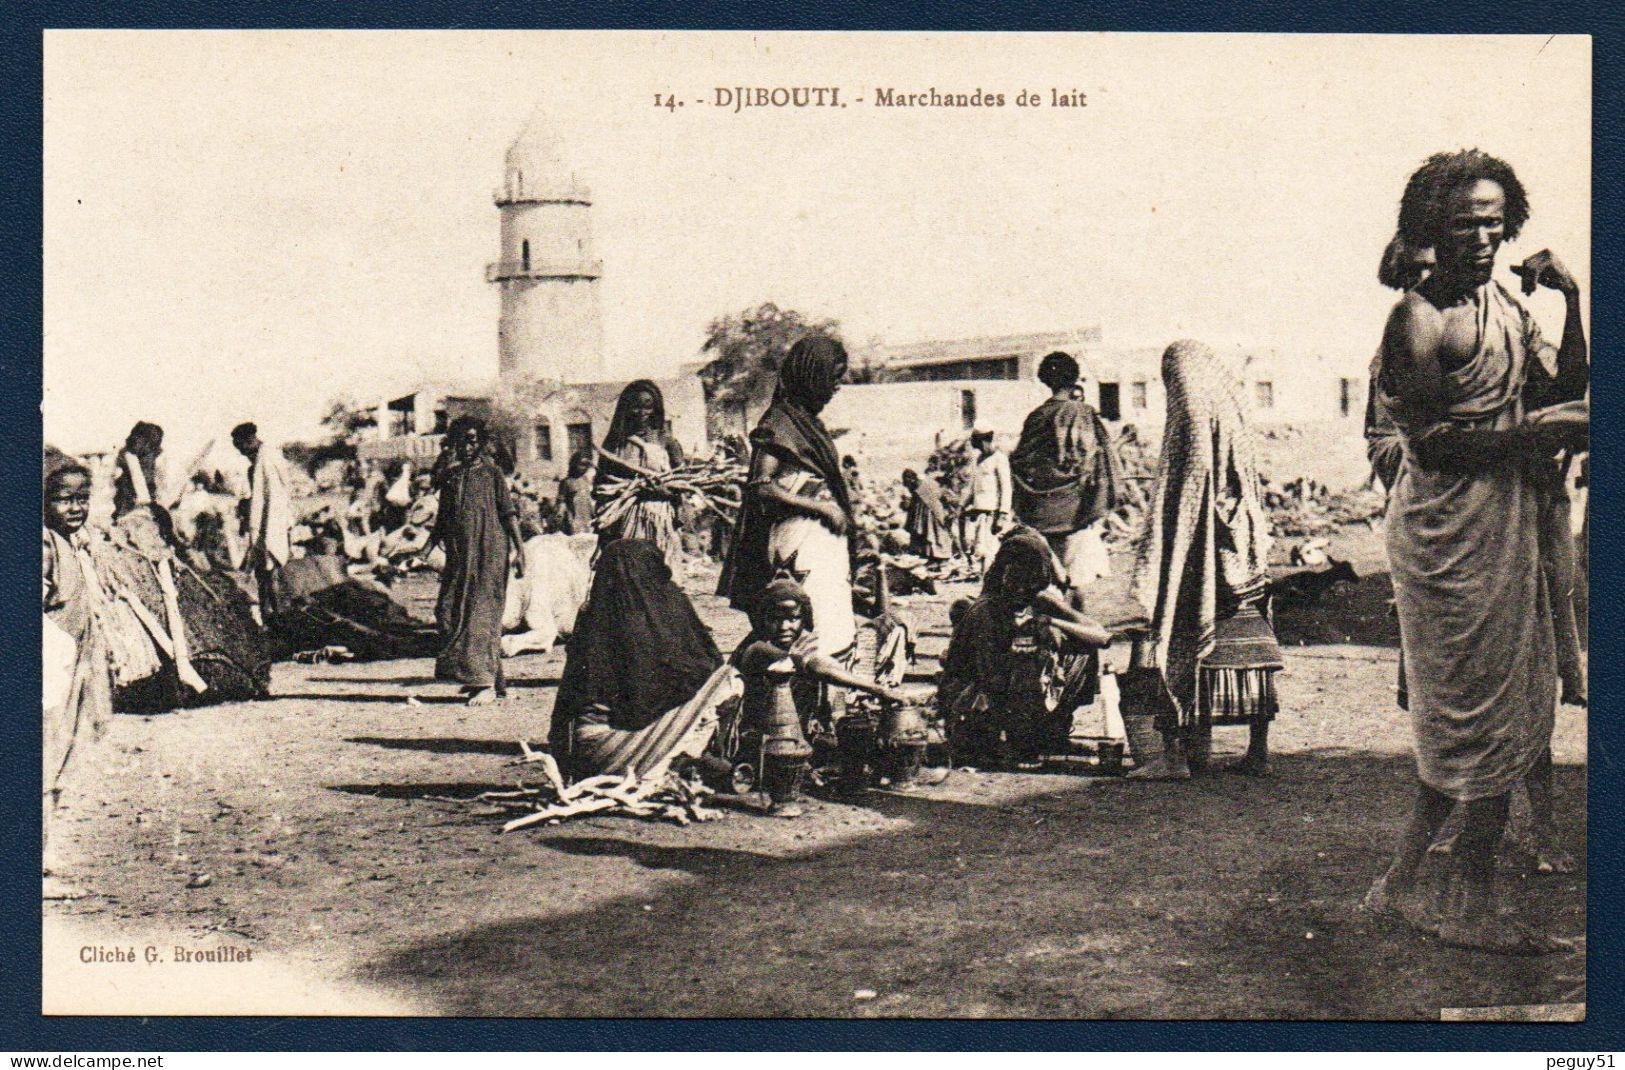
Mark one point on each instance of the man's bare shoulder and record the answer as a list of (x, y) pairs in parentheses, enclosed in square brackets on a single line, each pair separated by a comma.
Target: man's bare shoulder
[(1415, 325)]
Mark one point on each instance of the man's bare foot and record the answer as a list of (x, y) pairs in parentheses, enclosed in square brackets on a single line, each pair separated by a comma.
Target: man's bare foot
[(1499, 936), (1407, 906), (57, 890), (1553, 859), (1253, 765), (1160, 770), (485, 696)]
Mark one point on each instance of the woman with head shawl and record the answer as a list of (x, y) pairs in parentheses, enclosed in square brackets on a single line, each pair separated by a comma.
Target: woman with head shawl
[(1201, 574), (1017, 664), (1064, 473), (636, 444), (78, 675), (476, 525), (137, 481), (927, 519), (797, 509), (641, 679)]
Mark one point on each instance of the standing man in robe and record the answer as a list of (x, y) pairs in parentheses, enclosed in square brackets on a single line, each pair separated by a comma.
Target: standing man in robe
[(270, 514), (1462, 365), (1065, 474), (990, 507)]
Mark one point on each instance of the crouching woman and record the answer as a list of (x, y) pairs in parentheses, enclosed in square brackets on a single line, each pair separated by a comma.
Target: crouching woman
[(643, 680), (1020, 661)]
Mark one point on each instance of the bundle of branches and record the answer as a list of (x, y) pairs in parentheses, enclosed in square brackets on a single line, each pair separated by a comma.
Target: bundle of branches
[(666, 795), (713, 483)]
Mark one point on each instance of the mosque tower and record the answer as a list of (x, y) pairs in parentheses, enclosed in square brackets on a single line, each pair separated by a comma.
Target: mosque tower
[(549, 328)]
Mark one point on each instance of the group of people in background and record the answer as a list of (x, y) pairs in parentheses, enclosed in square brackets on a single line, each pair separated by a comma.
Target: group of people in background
[(1473, 424)]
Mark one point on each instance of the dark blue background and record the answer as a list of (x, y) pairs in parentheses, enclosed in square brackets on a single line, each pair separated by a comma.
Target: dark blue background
[(20, 224)]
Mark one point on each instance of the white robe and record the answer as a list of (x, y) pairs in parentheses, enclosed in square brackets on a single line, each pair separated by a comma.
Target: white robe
[(270, 508)]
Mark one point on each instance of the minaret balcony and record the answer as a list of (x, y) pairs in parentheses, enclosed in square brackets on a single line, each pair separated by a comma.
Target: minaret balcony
[(504, 270), (572, 194)]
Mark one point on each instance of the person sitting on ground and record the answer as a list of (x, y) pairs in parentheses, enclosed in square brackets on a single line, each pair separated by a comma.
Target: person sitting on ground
[(783, 673), (993, 691), (638, 443), (638, 660)]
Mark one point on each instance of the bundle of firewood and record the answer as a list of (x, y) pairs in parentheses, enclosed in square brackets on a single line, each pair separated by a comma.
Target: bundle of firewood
[(666, 795), (714, 483)]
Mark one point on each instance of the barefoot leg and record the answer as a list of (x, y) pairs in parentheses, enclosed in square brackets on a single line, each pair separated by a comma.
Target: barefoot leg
[(1257, 762), (1470, 917), (1395, 891), (1549, 857)]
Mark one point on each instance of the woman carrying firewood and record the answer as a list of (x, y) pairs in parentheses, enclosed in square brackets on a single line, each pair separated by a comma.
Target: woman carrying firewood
[(638, 445)]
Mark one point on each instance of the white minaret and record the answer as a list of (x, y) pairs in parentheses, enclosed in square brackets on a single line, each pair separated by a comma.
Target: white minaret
[(549, 330)]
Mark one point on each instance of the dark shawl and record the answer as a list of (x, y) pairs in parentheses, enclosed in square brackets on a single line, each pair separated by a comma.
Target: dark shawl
[(1065, 472), (617, 438), (1022, 547), (791, 431), (474, 506), (638, 649)]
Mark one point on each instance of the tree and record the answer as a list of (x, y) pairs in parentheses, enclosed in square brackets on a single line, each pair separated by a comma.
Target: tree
[(745, 350), (348, 420)]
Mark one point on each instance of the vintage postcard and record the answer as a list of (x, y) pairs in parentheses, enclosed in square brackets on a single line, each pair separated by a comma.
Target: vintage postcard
[(696, 524)]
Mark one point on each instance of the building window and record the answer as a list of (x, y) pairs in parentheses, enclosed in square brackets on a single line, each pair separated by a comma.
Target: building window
[(440, 421), (1137, 395), (967, 409), (524, 255), (580, 438), (402, 417), (1264, 394), (1111, 401), (544, 441), (952, 370), (1345, 396)]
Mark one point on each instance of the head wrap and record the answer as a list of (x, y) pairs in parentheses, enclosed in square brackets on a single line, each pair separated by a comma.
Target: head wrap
[(620, 425), (1022, 551), (144, 439), (791, 431), (781, 590), (638, 649), (1207, 477)]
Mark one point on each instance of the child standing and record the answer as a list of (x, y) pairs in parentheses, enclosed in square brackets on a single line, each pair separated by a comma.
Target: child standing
[(78, 674)]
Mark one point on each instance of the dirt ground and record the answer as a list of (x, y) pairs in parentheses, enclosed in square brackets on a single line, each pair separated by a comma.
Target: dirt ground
[(313, 832)]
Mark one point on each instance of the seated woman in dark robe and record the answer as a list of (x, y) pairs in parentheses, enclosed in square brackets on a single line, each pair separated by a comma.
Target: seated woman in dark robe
[(1020, 660), (639, 659)]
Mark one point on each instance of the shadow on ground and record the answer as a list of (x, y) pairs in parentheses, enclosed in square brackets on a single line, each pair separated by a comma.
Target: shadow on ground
[(1226, 897), (1358, 613), (502, 748)]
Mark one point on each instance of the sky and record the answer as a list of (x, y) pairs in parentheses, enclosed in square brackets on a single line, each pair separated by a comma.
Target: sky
[(247, 225)]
